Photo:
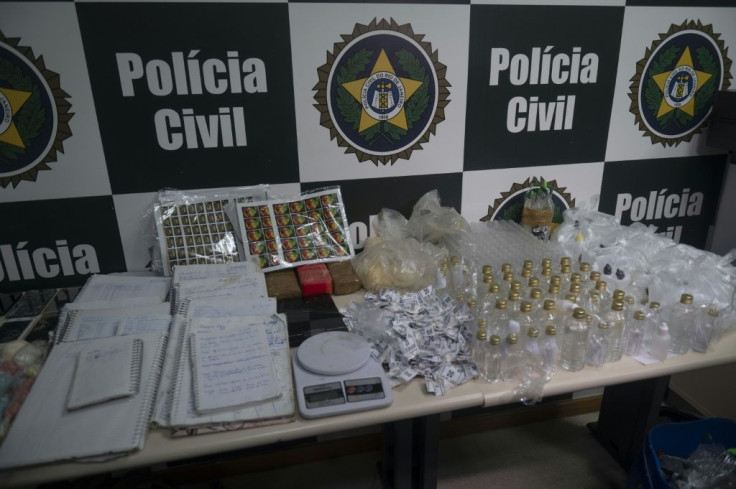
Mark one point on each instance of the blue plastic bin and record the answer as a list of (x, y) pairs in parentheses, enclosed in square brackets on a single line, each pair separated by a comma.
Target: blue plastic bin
[(680, 440)]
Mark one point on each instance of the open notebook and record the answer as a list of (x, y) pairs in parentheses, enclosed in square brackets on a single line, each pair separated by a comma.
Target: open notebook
[(184, 411), (45, 430)]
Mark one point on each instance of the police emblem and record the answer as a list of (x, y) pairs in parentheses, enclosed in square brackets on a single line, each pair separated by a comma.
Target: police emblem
[(382, 92), (510, 206), (34, 114), (675, 83)]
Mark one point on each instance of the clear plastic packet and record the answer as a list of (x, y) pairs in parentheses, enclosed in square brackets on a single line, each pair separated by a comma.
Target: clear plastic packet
[(311, 227), (191, 227), (401, 264), (430, 221), (391, 224)]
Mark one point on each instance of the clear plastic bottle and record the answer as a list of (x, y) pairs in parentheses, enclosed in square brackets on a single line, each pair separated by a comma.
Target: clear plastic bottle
[(593, 279), (513, 303), (660, 344), (482, 325), (488, 301), (705, 327), (512, 365), (584, 269), (483, 288), (550, 349), (565, 276), (605, 295), (576, 278), (547, 315), (634, 333), (535, 297), (576, 291), (593, 302), (525, 318), (473, 308), (515, 287), (499, 324), (479, 349), (569, 303), (441, 282), (553, 293), (598, 345), (505, 284), (545, 275), (531, 344), (506, 268), (574, 341), (682, 324), (654, 319), (615, 320), (491, 370), (528, 265), (455, 278)]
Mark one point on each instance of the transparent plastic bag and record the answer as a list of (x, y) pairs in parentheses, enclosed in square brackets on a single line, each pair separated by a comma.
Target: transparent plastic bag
[(391, 224), (583, 229), (401, 264), (430, 221)]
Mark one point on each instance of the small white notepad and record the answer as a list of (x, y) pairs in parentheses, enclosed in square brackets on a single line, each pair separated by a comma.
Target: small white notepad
[(232, 367), (105, 373)]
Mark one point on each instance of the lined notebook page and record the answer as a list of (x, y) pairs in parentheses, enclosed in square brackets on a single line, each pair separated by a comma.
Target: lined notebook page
[(113, 287), (231, 367)]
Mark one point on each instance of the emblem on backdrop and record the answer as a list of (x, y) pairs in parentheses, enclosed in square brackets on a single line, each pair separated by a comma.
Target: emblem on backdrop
[(675, 83), (382, 92), (34, 114), (535, 204)]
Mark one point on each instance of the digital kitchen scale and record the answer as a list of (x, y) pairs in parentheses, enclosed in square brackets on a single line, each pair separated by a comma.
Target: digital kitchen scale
[(334, 373)]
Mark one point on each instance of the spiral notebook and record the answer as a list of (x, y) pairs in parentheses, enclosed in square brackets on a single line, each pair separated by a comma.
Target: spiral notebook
[(46, 431), (105, 373)]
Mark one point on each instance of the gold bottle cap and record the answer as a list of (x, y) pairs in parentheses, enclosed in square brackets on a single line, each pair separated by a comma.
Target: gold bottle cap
[(549, 305), (585, 267), (512, 339), (575, 288), (595, 276), (556, 279), (618, 294), (527, 264), (600, 285), (654, 305), (482, 322), (515, 286), (482, 335), (526, 273), (565, 260), (487, 279), (533, 332), (602, 325), (570, 296), (713, 312), (535, 293), (487, 269), (495, 339), (547, 271), (513, 296), (639, 315), (550, 330), (472, 303), (546, 262), (594, 295), (617, 306), (576, 278), (533, 282), (454, 260), (501, 304), (579, 313), (554, 289), (686, 299), (460, 298), (508, 277), (566, 269), (506, 268), (526, 306), (494, 288), (630, 299)]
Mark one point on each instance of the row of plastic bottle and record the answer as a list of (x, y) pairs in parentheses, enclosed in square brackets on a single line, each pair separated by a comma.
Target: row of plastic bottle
[(590, 325)]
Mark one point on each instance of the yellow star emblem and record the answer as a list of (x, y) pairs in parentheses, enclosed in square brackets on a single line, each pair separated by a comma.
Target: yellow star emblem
[(11, 101), (662, 79), (358, 89)]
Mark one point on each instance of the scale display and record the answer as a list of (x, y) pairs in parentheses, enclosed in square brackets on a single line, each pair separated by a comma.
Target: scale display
[(335, 374)]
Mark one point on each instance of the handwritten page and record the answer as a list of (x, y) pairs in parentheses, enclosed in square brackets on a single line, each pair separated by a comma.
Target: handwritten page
[(232, 367), (144, 323), (114, 287), (106, 373), (230, 306)]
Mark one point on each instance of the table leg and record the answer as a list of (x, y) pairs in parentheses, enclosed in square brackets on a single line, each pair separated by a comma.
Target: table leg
[(628, 411), (396, 464), (426, 451)]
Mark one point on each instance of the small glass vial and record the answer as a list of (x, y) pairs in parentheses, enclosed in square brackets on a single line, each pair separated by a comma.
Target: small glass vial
[(550, 349), (704, 329), (535, 297), (499, 324), (574, 341), (515, 287), (553, 292), (456, 281), (527, 265), (546, 263), (584, 268), (660, 345), (532, 343), (598, 345), (594, 302), (546, 275), (513, 303), (615, 320), (682, 324), (491, 369), (525, 318), (533, 282), (473, 308), (634, 334), (548, 313), (482, 325), (576, 291), (605, 295), (512, 365), (653, 321), (508, 277), (481, 352), (593, 278), (506, 268)]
